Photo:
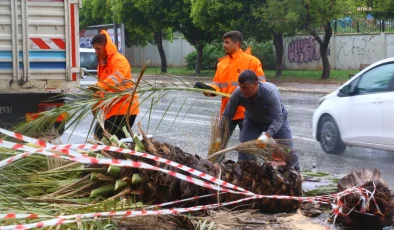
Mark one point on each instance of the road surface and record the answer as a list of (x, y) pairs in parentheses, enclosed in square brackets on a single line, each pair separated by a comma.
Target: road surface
[(186, 124)]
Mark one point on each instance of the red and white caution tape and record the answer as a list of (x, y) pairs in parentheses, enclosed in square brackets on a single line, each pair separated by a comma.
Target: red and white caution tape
[(29, 150), (24, 138), (67, 152), (65, 148), (157, 159), (103, 161), (130, 213)]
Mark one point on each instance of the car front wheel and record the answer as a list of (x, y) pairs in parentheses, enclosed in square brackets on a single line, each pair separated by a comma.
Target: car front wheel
[(330, 138)]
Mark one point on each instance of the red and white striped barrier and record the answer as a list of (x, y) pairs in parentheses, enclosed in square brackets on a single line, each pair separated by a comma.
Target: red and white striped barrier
[(48, 43)]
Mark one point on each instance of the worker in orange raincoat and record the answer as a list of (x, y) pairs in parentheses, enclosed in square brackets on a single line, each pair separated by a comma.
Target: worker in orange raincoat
[(114, 75), (228, 70)]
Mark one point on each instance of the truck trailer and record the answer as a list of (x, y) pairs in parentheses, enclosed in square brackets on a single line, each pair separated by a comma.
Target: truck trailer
[(39, 56)]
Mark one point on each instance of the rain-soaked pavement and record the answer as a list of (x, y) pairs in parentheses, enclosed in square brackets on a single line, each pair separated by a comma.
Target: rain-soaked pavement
[(186, 124)]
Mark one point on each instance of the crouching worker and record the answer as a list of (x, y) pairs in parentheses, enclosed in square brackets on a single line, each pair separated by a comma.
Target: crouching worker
[(265, 116)]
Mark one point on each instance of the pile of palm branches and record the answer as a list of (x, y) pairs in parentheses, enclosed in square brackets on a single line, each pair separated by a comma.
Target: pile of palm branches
[(52, 187), (32, 186)]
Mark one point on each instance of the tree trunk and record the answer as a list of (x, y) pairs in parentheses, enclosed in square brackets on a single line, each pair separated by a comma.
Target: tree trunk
[(324, 49), (199, 48), (159, 43), (278, 43)]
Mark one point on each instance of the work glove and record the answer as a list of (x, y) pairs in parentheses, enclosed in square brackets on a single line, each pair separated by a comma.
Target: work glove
[(264, 139), (200, 85)]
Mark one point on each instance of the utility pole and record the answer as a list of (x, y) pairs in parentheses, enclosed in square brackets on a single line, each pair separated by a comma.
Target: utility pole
[(116, 35)]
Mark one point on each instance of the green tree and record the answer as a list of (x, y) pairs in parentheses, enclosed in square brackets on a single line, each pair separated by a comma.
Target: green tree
[(317, 15), (95, 12), (98, 12), (175, 14), (220, 16), (381, 9), (148, 20), (196, 36), (281, 17)]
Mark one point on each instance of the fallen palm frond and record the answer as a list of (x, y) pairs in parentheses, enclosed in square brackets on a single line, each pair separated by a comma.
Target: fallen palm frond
[(102, 187), (260, 152), (85, 102)]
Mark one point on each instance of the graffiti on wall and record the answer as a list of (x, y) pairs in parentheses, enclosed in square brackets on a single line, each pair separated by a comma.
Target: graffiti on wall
[(355, 51), (304, 50)]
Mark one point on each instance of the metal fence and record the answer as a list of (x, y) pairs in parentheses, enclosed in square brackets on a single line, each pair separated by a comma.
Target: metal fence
[(347, 25)]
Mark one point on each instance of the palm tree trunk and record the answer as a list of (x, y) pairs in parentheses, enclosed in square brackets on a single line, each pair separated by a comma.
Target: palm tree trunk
[(250, 175)]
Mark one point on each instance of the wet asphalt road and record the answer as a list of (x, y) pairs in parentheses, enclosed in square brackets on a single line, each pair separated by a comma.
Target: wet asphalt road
[(186, 124)]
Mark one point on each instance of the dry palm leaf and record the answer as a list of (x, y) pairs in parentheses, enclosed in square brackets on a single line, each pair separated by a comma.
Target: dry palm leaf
[(380, 214), (269, 152)]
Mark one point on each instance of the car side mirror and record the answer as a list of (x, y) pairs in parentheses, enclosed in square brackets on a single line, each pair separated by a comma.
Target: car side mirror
[(347, 90)]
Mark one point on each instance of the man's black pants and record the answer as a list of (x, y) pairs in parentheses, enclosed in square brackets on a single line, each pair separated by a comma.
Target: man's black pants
[(114, 125)]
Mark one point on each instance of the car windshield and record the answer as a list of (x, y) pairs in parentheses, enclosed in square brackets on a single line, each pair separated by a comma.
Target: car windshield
[(89, 61)]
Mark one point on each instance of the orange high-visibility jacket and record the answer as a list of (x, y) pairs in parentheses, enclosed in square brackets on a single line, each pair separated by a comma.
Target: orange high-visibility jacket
[(228, 70), (115, 76)]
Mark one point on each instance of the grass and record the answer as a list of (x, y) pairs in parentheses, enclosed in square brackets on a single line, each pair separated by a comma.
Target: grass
[(336, 76), (315, 174), (311, 75)]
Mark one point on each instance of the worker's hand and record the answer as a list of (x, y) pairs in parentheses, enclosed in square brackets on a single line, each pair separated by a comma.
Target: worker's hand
[(200, 85), (207, 94), (265, 138)]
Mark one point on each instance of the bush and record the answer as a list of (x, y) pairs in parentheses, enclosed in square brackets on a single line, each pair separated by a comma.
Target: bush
[(265, 52), (211, 54)]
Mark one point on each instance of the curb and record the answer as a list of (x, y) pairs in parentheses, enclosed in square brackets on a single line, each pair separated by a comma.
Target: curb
[(282, 89), (301, 90)]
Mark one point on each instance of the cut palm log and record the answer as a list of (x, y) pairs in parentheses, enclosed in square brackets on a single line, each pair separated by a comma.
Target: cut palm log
[(153, 187), (373, 215), (256, 177)]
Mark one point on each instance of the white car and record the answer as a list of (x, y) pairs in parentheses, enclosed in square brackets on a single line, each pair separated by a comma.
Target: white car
[(89, 61), (359, 113)]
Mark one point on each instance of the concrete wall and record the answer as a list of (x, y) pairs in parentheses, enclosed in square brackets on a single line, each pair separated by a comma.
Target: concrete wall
[(175, 53), (346, 51), (302, 53)]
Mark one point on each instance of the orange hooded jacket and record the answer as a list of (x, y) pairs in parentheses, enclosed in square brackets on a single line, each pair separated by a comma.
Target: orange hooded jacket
[(114, 75), (228, 70)]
